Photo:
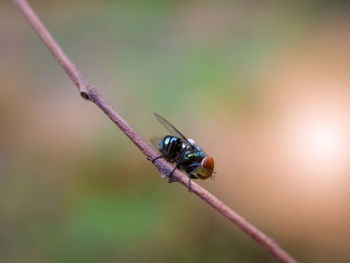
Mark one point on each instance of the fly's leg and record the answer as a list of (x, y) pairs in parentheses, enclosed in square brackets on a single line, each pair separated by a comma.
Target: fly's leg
[(189, 183), (171, 179), (155, 159), (191, 175), (170, 176)]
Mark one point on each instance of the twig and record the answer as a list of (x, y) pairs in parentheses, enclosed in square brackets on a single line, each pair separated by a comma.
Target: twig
[(88, 92)]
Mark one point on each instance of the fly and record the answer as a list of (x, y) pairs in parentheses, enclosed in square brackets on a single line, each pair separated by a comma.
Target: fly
[(187, 156)]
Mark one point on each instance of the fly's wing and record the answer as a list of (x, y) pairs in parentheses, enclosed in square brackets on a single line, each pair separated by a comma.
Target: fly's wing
[(155, 142), (172, 129)]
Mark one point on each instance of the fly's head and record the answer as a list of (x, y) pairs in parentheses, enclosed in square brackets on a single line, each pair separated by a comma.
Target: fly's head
[(206, 167)]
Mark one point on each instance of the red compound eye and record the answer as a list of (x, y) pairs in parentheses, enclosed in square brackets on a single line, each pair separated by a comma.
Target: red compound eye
[(208, 163)]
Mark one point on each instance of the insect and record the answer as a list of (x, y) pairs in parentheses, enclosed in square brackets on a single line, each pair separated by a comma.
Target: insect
[(176, 148)]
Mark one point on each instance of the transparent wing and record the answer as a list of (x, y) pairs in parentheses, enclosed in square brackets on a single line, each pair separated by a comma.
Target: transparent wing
[(172, 129), (155, 142)]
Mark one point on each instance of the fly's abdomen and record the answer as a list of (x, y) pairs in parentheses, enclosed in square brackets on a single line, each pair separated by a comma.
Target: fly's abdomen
[(170, 147)]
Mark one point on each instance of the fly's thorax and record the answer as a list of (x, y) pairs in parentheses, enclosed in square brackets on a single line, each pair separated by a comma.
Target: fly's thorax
[(192, 159), (195, 155), (197, 164)]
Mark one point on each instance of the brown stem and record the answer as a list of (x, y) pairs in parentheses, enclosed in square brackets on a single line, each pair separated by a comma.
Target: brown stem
[(88, 92)]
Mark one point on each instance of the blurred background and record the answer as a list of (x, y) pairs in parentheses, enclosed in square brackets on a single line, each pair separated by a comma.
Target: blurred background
[(263, 87)]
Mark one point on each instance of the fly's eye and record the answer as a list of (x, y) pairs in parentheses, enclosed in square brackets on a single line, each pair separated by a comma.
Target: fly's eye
[(208, 163)]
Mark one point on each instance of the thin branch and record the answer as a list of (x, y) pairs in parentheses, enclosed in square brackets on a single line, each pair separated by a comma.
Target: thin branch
[(88, 92)]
